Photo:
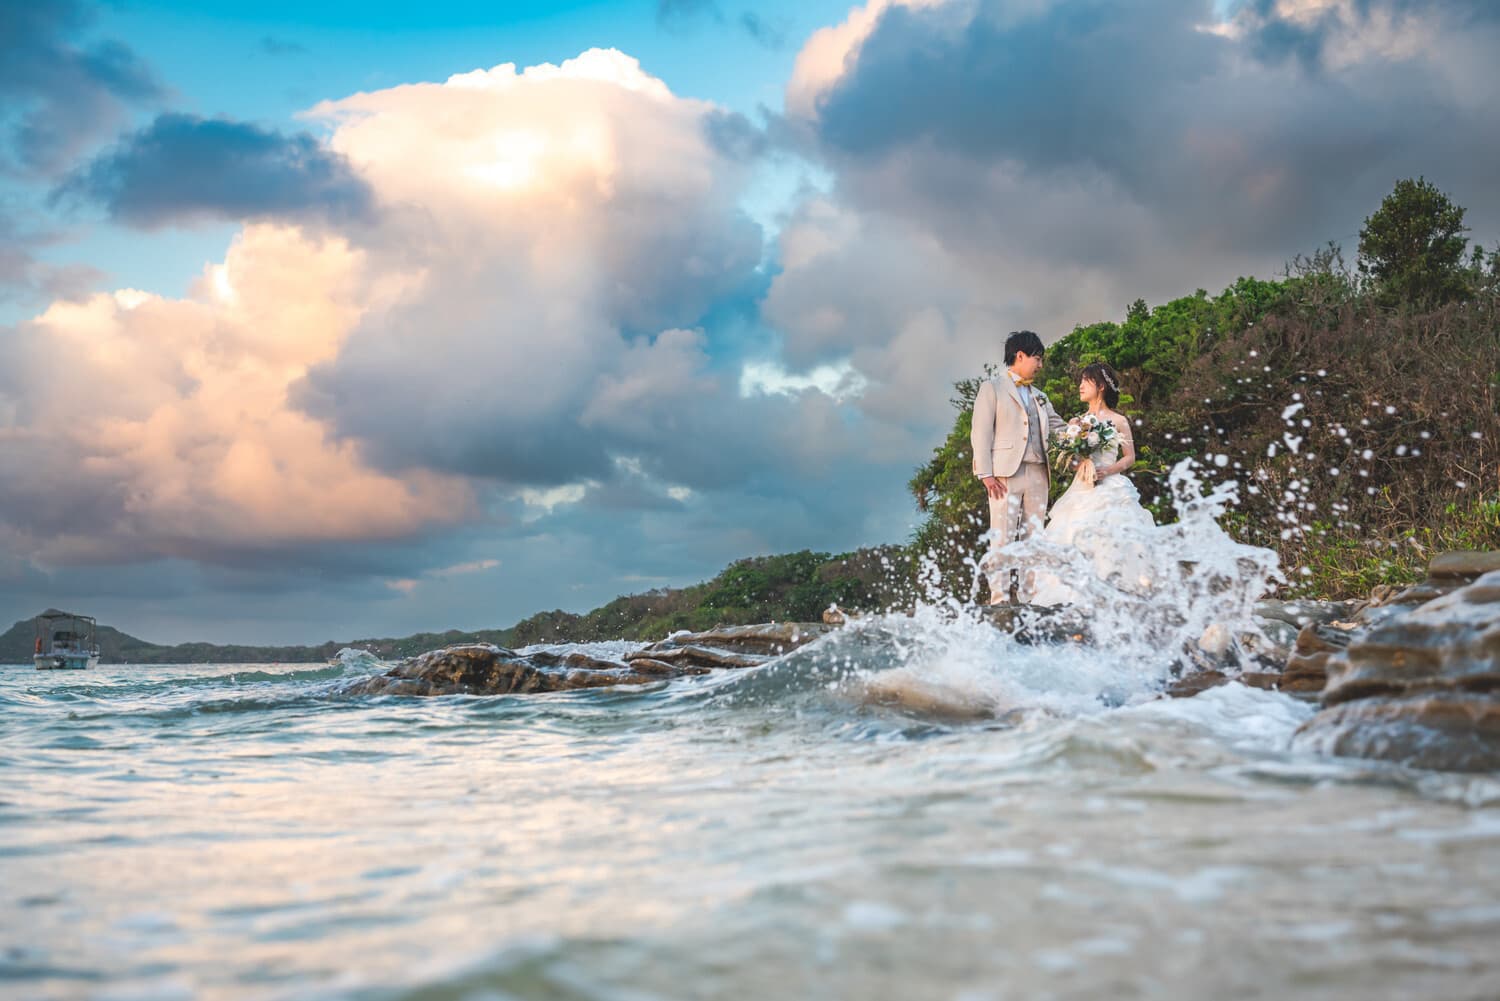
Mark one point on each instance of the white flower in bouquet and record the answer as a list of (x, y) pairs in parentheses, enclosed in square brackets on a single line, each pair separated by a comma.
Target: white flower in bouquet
[(1080, 440)]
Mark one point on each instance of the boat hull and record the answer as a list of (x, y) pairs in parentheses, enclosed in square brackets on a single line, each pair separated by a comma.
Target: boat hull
[(65, 661)]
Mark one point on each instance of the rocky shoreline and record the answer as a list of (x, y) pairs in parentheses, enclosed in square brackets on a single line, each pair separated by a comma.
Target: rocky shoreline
[(482, 669), (1409, 676)]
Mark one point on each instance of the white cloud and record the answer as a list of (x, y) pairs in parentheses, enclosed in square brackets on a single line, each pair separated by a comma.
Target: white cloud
[(163, 423), (508, 314), (826, 55), (553, 497), (839, 381)]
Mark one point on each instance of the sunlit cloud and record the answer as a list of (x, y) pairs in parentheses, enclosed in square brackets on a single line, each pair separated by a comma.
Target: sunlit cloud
[(370, 380)]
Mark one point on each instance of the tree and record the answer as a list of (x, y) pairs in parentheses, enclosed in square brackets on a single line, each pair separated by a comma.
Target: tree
[(1411, 249)]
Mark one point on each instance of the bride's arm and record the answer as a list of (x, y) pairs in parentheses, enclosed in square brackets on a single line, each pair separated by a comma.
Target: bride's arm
[(1127, 449)]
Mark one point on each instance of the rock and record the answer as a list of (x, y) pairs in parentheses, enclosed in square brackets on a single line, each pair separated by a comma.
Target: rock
[(1038, 623), (1452, 642), (1424, 591), (833, 615), (482, 669), (767, 640), (930, 700), (700, 656), (489, 670), (1198, 681), (1306, 668), (1271, 646), (1468, 566), (1451, 731), (1421, 688), (573, 659), (1301, 612), (661, 668), (1446, 573)]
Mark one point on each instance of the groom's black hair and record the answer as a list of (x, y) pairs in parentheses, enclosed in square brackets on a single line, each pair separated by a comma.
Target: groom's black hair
[(1023, 340)]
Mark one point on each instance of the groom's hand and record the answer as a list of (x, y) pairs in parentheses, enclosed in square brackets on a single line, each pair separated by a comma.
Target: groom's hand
[(994, 488)]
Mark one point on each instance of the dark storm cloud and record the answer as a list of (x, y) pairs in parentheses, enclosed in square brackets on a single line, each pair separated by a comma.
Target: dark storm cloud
[(57, 94), (186, 167), (1278, 134)]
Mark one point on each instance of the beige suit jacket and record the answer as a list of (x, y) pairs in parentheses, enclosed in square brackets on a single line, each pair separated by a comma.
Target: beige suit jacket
[(1001, 426)]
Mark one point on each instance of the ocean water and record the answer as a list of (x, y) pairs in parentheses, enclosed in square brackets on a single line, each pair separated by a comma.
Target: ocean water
[(785, 831), (909, 808)]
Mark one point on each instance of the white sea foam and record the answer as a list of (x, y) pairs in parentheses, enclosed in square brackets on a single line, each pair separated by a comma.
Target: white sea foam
[(357, 662), (1244, 718), (1196, 601), (607, 650)]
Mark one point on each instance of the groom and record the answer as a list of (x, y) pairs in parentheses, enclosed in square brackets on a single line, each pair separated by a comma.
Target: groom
[(1012, 422)]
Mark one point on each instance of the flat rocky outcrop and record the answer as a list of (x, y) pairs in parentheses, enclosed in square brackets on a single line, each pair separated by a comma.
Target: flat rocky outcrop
[(482, 669), (1420, 685)]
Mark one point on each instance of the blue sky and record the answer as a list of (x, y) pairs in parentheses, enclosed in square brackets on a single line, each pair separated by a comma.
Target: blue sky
[(315, 325), (269, 62)]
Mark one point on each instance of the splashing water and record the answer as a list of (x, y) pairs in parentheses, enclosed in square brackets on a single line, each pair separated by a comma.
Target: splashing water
[(1118, 644)]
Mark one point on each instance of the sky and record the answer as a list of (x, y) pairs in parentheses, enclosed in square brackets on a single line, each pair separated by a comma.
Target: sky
[(326, 321)]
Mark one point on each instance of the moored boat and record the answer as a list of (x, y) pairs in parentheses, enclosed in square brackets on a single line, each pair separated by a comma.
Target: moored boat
[(66, 641)]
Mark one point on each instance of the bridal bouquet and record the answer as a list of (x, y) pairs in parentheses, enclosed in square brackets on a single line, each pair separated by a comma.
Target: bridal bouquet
[(1082, 438)]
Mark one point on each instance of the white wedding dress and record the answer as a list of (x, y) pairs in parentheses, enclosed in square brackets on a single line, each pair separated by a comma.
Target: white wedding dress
[(1106, 522)]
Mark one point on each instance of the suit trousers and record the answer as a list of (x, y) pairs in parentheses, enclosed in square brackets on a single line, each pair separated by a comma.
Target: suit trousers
[(1022, 511)]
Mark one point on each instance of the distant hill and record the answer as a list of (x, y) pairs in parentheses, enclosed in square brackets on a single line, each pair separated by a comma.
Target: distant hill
[(790, 587), (116, 647)]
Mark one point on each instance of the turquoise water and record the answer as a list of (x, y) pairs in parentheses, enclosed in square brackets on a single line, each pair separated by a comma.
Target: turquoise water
[(248, 832)]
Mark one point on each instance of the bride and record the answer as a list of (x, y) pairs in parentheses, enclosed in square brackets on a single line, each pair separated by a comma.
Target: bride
[(1100, 514)]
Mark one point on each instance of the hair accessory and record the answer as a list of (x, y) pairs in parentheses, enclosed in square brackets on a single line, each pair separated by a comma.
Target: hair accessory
[(1112, 384)]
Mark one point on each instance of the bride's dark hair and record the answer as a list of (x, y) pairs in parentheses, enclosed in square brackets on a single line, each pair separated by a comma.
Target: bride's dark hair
[(1104, 378)]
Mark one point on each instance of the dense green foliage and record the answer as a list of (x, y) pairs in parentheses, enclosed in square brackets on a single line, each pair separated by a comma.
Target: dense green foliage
[(796, 587), (1411, 250)]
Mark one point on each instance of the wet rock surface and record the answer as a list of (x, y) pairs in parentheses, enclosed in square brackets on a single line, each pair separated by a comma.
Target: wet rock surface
[(1306, 668), (481, 669), (1421, 685), (491, 670)]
